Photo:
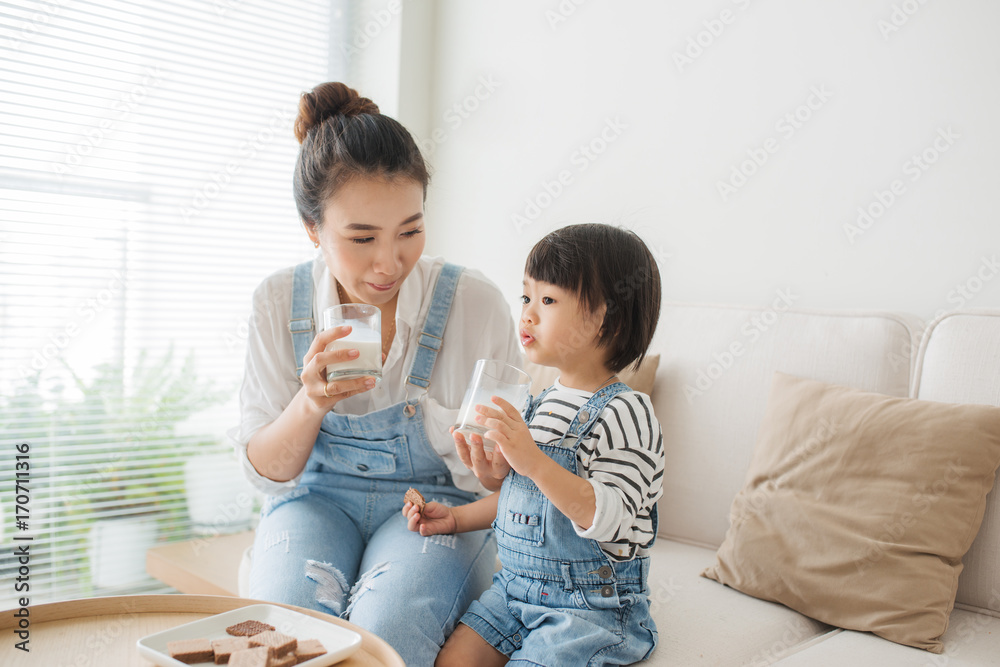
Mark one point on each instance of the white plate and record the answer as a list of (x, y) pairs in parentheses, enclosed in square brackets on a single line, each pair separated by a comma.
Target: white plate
[(339, 642)]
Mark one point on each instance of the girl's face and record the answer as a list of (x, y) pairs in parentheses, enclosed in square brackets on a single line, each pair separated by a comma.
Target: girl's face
[(371, 237), (556, 329)]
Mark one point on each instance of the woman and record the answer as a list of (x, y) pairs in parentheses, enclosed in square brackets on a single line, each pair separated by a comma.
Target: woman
[(335, 458)]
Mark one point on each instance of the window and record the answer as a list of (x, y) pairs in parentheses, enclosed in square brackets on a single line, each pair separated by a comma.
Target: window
[(145, 190)]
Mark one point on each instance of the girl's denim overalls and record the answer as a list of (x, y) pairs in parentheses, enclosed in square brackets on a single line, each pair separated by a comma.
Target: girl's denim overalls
[(338, 541), (548, 568)]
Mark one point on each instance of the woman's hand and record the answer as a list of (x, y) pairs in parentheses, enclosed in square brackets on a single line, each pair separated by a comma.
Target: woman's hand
[(323, 395), (490, 467), (512, 437), (436, 519)]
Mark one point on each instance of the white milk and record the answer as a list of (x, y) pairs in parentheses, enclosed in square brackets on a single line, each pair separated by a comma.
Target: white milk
[(467, 424), (369, 363)]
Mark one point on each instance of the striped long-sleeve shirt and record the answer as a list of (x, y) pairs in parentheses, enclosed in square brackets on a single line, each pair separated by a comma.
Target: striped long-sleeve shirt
[(622, 458)]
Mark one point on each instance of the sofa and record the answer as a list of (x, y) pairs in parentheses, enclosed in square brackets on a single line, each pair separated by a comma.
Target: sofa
[(710, 390), (708, 373)]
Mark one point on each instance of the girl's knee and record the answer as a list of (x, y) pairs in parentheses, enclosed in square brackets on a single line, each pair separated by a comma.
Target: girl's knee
[(465, 647)]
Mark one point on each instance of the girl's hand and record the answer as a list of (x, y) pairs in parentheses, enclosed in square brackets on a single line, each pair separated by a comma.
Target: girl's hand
[(490, 467), (436, 519), (324, 395), (514, 442)]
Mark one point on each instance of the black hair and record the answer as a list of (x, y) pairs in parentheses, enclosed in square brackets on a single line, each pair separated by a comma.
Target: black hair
[(343, 137), (610, 266)]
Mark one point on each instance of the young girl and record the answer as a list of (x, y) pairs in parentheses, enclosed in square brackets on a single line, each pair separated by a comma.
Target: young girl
[(576, 512)]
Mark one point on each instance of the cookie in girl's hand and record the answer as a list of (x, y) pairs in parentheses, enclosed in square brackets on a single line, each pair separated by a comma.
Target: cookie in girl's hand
[(414, 496)]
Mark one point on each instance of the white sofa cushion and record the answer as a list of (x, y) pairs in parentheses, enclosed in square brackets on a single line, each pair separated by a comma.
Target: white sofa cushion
[(972, 640), (959, 362), (703, 623), (716, 364)]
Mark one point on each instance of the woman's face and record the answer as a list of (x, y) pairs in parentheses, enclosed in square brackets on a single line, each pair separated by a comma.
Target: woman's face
[(371, 237)]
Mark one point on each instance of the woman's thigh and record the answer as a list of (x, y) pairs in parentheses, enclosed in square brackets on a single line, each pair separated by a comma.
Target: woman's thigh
[(412, 590), (306, 552)]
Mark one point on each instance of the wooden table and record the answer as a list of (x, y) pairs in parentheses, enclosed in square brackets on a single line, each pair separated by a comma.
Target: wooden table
[(203, 565), (102, 632)]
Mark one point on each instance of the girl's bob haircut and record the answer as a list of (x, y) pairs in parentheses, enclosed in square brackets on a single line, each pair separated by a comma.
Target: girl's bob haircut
[(609, 267)]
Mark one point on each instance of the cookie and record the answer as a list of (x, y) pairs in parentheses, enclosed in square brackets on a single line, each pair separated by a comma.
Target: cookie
[(286, 660), (248, 628), (279, 643), (309, 649), (190, 651), (414, 496), (224, 648), (251, 657)]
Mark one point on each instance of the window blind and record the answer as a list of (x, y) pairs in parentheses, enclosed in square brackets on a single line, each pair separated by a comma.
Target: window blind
[(146, 156)]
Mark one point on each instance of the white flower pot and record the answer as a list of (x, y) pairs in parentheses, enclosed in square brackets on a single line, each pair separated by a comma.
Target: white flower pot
[(118, 550), (219, 498)]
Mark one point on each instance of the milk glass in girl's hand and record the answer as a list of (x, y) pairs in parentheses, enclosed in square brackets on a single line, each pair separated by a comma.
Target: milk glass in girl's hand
[(491, 378), (365, 337)]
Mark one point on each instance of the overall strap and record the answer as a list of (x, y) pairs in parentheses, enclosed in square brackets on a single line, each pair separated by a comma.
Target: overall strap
[(431, 336), (587, 416), (533, 403), (301, 323)]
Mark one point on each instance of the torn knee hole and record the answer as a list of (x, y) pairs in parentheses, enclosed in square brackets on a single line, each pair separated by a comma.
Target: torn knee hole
[(331, 585), (364, 584)]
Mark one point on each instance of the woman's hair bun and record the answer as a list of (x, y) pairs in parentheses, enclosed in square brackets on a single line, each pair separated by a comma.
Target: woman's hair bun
[(326, 100)]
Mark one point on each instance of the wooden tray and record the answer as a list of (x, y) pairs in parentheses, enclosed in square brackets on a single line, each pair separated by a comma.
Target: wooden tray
[(98, 632)]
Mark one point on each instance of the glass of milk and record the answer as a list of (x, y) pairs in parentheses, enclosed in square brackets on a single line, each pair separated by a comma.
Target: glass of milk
[(365, 337), (491, 378)]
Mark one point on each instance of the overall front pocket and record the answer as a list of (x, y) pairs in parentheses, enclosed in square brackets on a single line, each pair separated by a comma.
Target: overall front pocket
[(521, 517), (387, 459)]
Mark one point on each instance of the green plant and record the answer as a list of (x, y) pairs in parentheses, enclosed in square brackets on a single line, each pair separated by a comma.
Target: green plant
[(132, 415), (104, 442)]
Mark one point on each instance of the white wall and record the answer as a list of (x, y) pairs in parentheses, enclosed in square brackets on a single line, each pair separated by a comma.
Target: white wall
[(683, 129)]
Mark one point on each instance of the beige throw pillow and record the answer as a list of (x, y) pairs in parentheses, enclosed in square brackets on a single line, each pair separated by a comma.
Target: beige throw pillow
[(858, 507), (640, 379)]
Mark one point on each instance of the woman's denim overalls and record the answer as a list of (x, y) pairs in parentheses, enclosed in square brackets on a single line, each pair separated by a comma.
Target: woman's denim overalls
[(547, 566), (338, 542)]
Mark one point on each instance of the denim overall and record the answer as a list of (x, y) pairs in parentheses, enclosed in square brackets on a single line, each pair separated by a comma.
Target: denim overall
[(338, 542), (547, 567)]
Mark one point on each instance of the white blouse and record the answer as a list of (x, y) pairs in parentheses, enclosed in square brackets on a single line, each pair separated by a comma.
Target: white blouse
[(480, 327)]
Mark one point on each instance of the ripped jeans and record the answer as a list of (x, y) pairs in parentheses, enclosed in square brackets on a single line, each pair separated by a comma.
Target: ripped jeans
[(339, 544)]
